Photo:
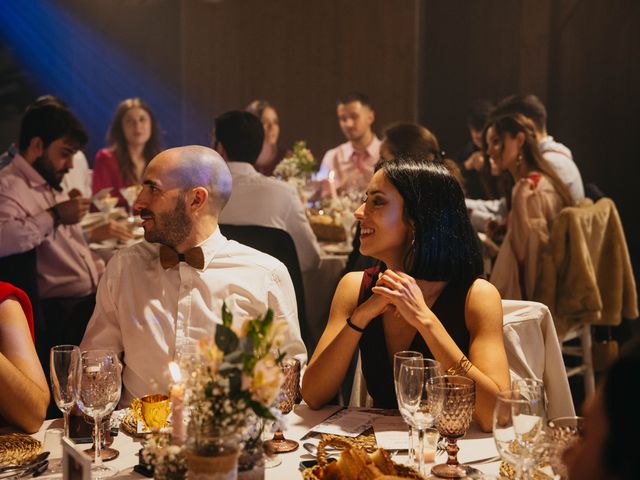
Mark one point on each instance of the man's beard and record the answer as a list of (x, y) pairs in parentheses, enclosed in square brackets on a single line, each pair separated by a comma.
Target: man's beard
[(171, 228), (45, 169)]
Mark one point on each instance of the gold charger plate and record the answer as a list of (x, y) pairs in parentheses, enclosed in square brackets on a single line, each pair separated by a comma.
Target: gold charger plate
[(18, 448)]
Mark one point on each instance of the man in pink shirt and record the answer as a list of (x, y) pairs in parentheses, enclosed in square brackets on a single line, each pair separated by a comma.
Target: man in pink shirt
[(36, 213), (349, 166)]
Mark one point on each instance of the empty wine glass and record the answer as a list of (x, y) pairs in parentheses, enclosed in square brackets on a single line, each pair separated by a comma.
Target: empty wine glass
[(518, 430), (65, 379), (289, 393), (398, 359), (417, 408), (130, 194), (100, 385), (458, 395)]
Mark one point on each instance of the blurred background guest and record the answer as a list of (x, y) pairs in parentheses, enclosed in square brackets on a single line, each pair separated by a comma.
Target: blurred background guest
[(352, 162), (608, 450), (471, 157), (25, 390), (536, 198), (271, 154), (257, 199), (134, 139)]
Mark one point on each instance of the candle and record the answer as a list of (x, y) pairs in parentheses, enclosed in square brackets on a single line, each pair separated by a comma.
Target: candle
[(177, 404), (332, 185)]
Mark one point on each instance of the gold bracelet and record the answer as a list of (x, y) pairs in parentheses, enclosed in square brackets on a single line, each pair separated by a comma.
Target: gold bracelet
[(461, 367)]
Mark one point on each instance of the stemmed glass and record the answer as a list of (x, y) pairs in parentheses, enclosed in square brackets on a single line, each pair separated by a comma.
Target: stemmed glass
[(130, 194), (100, 385), (398, 359), (458, 395), (65, 379), (289, 393), (518, 430), (417, 407)]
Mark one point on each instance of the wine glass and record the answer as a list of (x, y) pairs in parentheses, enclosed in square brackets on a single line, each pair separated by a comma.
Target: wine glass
[(100, 385), (65, 379), (518, 430), (398, 359), (289, 393), (106, 451), (458, 395), (563, 433), (130, 194), (417, 407)]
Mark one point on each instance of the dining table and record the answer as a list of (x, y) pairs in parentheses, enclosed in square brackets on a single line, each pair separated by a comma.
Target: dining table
[(476, 448)]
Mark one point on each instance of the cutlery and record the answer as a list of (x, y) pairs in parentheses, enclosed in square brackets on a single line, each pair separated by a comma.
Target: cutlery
[(33, 462), (313, 449)]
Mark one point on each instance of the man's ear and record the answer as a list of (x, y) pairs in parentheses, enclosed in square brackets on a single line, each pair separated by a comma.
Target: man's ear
[(198, 198), (34, 150)]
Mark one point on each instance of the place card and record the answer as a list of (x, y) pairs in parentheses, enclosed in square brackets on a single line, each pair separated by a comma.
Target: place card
[(391, 432), (75, 464), (347, 423)]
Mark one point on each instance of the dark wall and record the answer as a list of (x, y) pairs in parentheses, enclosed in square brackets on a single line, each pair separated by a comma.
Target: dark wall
[(301, 56)]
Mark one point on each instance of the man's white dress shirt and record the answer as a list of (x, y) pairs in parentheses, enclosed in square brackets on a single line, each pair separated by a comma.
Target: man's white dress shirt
[(149, 315), (353, 169), (269, 202)]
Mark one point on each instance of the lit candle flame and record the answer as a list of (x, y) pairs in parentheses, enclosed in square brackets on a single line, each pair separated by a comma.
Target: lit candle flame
[(174, 369)]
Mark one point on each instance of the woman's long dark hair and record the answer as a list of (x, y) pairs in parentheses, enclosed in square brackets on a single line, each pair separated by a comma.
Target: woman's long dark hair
[(446, 247), (118, 142)]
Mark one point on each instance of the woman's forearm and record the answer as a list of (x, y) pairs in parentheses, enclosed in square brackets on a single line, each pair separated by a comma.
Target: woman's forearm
[(23, 403)]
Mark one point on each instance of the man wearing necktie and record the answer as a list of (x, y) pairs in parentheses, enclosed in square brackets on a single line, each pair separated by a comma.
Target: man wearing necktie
[(352, 162), (159, 297)]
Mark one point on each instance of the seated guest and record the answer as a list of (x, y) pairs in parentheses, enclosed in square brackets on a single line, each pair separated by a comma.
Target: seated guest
[(536, 198), (79, 175), (256, 199), (425, 296), (134, 139), (36, 213), (557, 155), (158, 297), (271, 154), (25, 391), (352, 162), (608, 450)]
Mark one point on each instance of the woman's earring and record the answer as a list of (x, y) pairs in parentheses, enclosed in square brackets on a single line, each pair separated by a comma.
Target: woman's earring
[(519, 159)]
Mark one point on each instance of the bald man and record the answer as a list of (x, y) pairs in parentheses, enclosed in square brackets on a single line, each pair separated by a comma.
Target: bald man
[(157, 298)]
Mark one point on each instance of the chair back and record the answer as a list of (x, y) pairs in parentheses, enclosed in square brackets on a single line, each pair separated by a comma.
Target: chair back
[(279, 244), (533, 351)]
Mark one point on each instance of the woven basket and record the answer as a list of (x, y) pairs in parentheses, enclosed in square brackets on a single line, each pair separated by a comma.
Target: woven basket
[(328, 232), (317, 472), (18, 449)]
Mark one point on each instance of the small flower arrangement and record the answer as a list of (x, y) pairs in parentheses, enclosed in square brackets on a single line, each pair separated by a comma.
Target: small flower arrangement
[(168, 461), (236, 375), (297, 164)]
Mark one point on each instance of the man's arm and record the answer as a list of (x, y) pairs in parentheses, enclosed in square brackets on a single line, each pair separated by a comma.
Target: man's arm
[(20, 232)]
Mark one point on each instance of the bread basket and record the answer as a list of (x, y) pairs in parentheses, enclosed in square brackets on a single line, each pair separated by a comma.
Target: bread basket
[(318, 471)]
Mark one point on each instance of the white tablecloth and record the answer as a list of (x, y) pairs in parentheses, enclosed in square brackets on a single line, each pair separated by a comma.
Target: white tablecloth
[(475, 447)]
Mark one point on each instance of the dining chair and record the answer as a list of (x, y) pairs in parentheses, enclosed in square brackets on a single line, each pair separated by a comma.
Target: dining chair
[(586, 279), (279, 244)]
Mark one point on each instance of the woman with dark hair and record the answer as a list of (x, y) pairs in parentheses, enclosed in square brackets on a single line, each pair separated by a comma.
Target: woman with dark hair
[(426, 295), (134, 139), (271, 154), (536, 198)]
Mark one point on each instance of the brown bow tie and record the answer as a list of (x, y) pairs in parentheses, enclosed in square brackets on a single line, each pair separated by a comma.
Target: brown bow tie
[(170, 258)]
